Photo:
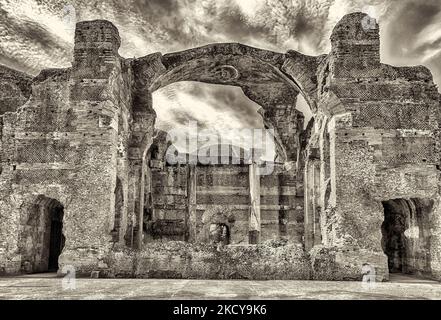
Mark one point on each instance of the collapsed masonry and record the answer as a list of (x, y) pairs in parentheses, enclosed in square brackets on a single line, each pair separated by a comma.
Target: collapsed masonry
[(84, 183)]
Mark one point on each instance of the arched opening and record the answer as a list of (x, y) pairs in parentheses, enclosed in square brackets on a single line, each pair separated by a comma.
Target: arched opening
[(215, 111), (406, 235), (209, 117), (221, 89), (43, 229), (154, 152), (219, 234), (212, 117)]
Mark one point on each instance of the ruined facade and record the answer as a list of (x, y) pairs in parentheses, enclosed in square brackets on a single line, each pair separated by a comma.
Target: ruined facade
[(84, 182)]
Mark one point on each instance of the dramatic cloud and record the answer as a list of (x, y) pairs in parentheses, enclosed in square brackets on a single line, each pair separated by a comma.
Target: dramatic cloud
[(215, 106), (37, 34), (412, 35)]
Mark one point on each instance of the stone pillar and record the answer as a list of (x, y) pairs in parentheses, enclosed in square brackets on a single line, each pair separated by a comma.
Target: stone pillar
[(94, 78), (317, 208), (141, 138), (136, 200), (312, 196), (309, 214), (140, 142), (255, 221), (191, 218), (353, 222)]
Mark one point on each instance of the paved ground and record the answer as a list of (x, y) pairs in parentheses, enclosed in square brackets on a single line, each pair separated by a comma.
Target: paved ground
[(47, 286)]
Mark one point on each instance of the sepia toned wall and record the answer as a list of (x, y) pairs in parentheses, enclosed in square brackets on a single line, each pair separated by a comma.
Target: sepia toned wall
[(84, 138)]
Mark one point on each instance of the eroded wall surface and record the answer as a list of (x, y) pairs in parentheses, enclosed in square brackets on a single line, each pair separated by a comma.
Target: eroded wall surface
[(62, 144), (83, 138), (375, 139), (15, 89), (222, 197)]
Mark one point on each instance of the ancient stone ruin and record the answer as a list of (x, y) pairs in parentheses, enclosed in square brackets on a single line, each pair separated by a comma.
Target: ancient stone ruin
[(84, 181)]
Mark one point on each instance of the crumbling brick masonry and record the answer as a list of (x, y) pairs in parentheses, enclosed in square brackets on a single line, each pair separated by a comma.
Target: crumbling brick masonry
[(84, 181)]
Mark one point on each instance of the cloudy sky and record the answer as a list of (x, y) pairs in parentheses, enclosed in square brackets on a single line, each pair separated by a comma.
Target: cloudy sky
[(37, 34)]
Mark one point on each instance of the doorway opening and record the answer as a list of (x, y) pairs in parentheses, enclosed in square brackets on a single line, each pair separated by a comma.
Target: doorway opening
[(42, 239), (56, 240), (219, 234), (406, 236)]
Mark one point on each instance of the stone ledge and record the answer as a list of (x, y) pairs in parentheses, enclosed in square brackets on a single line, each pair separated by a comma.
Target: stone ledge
[(202, 261)]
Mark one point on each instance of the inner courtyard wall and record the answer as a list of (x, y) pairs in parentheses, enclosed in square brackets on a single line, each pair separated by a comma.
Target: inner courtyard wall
[(222, 194)]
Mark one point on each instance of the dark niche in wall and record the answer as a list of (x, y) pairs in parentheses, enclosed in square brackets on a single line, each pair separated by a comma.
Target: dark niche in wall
[(406, 235)]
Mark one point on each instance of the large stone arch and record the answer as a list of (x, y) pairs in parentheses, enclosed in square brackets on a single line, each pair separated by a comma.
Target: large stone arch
[(272, 80), (222, 63)]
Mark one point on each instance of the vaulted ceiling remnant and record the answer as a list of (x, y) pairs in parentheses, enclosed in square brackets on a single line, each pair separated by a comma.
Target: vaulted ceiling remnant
[(272, 80)]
